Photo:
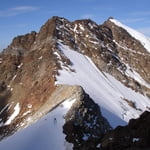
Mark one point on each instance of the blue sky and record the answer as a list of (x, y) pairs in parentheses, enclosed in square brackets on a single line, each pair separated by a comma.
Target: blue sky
[(19, 17)]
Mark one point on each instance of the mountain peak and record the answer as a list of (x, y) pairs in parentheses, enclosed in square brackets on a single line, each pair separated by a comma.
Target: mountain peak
[(110, 18), (105, 60), (56, 20)]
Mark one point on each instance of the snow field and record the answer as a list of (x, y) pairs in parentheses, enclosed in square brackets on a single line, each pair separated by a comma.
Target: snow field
[(45, 134), (103, 88)]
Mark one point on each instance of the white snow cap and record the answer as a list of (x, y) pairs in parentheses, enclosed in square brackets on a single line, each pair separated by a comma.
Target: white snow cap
[(145, 41)]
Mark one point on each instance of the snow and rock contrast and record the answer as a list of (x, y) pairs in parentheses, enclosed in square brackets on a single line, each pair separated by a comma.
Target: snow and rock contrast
[(40, 72), (84, 124), (47, 132), (135, 136), (139, 36), (103, 88)]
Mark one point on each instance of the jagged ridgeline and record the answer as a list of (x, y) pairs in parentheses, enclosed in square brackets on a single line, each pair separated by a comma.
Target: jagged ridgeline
[(107, 65)]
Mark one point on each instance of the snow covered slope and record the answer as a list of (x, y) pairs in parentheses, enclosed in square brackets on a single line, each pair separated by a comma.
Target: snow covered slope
[(137, 35), (45, 134), (117, 102)]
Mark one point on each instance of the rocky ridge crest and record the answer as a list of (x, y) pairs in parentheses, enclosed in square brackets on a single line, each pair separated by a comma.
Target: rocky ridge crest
[(29, 65)]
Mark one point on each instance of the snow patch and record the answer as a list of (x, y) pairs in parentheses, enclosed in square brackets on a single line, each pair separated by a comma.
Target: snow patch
[(92, 25), (8, 86), (41, 57), (75, 28), (85, 137), (26, 113), (57, 54), (98, 146), (19, 66), (13, 116), (94, 42), (14, 77), (135, 140), (68, 103), (110, 138), (81, 27), (29, 106)]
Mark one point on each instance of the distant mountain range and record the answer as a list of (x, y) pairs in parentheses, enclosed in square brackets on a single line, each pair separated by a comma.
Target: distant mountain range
[(78, 82)]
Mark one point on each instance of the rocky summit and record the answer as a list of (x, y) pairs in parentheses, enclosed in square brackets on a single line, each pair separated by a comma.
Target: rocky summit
[(97, 76)]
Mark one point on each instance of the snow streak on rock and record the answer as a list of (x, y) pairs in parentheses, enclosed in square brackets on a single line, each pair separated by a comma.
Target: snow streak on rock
[(15, 113), (139, 36)]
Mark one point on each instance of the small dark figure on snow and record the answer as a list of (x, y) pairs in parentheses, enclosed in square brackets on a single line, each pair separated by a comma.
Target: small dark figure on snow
[(55, 120)]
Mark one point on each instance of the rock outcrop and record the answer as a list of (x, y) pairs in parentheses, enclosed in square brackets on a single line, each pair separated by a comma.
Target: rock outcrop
[(134, 136), (85, 125)]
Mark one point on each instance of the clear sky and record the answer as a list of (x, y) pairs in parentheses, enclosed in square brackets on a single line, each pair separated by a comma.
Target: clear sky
[(19, 17)]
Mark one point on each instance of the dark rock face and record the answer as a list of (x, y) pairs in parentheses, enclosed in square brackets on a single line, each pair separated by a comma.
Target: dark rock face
[(86, 136), (134, 136), (85, 125)]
